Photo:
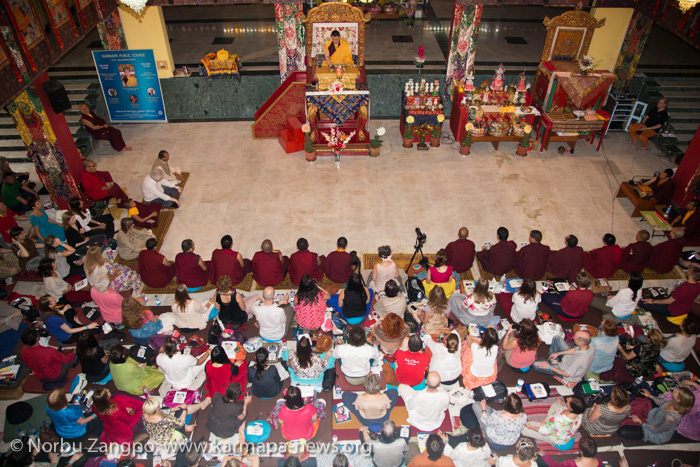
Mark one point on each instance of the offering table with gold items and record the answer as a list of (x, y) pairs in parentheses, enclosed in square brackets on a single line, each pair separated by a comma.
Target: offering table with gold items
[(426, 116), (463, 113)]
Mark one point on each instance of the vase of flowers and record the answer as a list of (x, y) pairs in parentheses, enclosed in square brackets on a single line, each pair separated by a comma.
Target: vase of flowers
[(465, 146), (408, 133), (587, 64), (420, 57), (524, 144), (337, 141), (376, 143), (309, 149)]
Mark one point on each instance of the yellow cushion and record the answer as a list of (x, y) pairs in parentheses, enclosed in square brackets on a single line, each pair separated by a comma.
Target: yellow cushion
[(677, 320), (222, 54)]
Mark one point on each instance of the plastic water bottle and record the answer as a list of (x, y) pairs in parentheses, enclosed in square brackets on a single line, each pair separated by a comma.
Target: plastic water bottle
[(33, 431), (157, 301), (503, 283), (519, 387), (284, 344), (338, 392), (21, 433), (45, 425), (667, 212), (146, 394), (291, 297), (420, 296)]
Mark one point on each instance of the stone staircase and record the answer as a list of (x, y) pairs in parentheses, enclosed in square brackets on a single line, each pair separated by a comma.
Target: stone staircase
[(79, 87), (683, 109)]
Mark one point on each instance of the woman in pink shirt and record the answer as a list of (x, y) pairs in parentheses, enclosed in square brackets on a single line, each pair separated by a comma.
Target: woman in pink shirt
[(521, 346), (108, 300), (299, 421)]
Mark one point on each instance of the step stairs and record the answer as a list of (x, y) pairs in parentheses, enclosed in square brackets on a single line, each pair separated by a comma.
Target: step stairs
[(81, 87), (683, 110), (291, 138)]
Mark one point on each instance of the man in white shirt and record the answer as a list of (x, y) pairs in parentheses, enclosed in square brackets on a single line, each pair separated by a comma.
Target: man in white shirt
[(273, 319), (426, 408), (355, 357), (156, 189)]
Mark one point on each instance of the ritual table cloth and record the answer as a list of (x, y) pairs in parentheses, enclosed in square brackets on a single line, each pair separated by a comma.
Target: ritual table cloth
[(420, 116), (216, 68), (339, 107)]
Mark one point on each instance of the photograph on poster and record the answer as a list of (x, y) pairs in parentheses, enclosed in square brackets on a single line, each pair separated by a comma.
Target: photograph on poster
[(128, 76)]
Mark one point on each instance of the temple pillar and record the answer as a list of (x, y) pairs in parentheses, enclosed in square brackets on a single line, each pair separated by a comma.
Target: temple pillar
[(111, 31), (291, 43), (636, 36), (49, 142), (464, 32), (148, 31)]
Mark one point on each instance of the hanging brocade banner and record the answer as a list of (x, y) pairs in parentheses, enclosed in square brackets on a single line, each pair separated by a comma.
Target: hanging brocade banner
[(290, 38), (463, 40)]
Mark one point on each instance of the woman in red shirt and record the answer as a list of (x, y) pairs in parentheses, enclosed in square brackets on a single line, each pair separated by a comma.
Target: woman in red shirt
[(120, 415), (221, 372), (298, 421)]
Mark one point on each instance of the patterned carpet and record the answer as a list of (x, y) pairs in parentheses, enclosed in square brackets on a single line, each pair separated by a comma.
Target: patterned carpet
[(244, 285), (488, 276), (402, 259), (286, 284)]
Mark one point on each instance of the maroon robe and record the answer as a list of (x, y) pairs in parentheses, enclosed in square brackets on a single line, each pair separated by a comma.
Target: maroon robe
[(566, 263), (460, 254), (111, 134), (499, 259), (225, 263), (531, 261), (664, 192), (304, 262), (603, 262), (692, 225), (337, 266), (144, 211), (635, 256), (152, 270), (666, 255), (268, 269), (189, 272)]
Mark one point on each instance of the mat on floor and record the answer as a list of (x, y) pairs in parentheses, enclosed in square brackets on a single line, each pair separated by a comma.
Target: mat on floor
[(648, 274), (675, 440), (38, 417), (662, 457), (348, 431), (164, 220), (488, 276), (246, 284), (286, 284), (402, 259)]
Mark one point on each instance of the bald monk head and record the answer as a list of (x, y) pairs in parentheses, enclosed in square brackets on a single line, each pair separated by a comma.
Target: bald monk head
[(642, 236), (432, 381), (676, 234), (266, 246), (582, 339), (463, 232)]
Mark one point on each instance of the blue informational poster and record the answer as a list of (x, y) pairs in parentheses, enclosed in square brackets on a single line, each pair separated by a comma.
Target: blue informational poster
[(130, 85)]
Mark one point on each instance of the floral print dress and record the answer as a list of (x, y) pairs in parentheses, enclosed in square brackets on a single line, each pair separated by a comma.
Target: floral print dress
[(559, 428), (126, 278)]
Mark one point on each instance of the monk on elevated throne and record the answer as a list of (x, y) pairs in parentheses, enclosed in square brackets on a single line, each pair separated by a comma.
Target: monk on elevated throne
[(338, 51)]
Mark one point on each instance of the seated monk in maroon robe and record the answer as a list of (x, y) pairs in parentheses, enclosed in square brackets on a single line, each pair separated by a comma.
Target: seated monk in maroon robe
[(99, 185), (155, 270), (226, 262), (689, 220), (635, 256), (269, 266), (568, 261), (99, 129), (602, 262), (190, 269), (337, 265), (531, 260), (305, 262), (662, 187), (666, 255), (500, 258), (143, 215), (460, 253)]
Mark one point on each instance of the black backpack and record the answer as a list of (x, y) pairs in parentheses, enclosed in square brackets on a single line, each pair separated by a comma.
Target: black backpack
[(414, 289)]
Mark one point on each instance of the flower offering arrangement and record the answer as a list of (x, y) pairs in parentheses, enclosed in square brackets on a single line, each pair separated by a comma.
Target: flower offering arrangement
[(337, 140)]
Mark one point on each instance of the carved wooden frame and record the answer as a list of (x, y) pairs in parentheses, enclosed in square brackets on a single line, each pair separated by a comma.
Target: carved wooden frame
[(575, 19), (335, 12)]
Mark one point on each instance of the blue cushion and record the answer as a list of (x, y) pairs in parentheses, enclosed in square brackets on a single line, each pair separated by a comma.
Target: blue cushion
[(565, 447)]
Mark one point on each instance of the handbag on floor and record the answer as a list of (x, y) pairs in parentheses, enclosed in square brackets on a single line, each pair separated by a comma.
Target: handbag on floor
[(483, 392)]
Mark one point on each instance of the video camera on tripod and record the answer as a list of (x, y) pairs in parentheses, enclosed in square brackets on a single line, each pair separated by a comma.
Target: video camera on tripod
[(421, 238)]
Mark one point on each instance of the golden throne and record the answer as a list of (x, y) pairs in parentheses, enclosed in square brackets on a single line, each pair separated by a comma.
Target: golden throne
[(335, 97)]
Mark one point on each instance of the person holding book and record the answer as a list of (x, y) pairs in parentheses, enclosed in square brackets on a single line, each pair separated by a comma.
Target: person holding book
[(299, 420)]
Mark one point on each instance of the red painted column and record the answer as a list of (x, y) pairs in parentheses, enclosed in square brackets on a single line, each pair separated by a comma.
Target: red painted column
[(687, 172), (60, 127)]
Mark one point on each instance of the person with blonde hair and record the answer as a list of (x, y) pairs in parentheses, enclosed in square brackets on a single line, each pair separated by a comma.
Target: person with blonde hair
[(661, 421), (139, 320), (130, 240), (436, 311), (476, 307), (167, 430), (638, 358), (120, 277)]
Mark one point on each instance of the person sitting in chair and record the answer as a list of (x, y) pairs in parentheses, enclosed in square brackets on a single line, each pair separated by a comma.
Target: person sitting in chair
[(337, 51)]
